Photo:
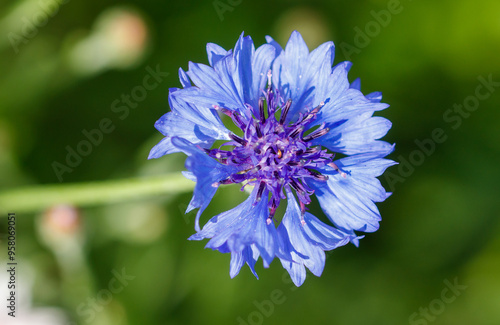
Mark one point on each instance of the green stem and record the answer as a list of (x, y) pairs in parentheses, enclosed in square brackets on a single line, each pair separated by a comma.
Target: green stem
[(38, 198)]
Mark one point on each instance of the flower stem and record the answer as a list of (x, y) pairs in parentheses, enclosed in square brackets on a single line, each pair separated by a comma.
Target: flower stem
[(38, 198)]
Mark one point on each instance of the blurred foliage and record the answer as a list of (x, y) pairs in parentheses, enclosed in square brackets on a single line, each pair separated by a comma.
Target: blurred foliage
[(440, 224)]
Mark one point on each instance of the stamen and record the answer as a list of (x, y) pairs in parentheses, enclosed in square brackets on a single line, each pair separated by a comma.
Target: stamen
[(255, 169), (297, 131), (261, 109), (237, 139), (320, 177), (316, 134), (257, 129), (312, 150), (237, 120), (272, 209), (262, 186), (296, 186), (222, 110), (334, 166), (317, 108), (284, 111), (313, 113), (235, 116), (302, 212), (226, 181)]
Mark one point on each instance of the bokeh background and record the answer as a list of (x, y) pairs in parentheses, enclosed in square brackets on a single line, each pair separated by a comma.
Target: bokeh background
[(62, 74)]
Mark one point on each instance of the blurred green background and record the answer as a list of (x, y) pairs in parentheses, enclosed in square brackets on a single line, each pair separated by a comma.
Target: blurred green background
[(65, 68)]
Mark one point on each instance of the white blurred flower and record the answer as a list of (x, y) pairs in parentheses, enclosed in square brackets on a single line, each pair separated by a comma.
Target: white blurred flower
[(25, 312)]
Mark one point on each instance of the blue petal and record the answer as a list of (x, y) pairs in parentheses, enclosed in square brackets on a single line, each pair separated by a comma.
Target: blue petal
[(303, 252), (354, 238), (249, 256), (297, 74), (236, 263), (212, 87), (242, 63), (296, 50), (236, 79), (356, 84), (204, 116), (215, 53), (356, 135), (334, 87), (314, 80), (374, 97), (207, 171), (164, 147), (297, 272), (190, 176), (275, 44), (323, 235), (197, 124), (246, 71), (349, 201), (346, 104), (184, 78), (307, 78), (288, 66), (306, 239), (368, 163), (181, 128), (261, 64), (242, 227)]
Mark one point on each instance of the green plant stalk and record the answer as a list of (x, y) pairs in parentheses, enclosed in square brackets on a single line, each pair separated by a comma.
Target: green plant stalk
[(40, 197)]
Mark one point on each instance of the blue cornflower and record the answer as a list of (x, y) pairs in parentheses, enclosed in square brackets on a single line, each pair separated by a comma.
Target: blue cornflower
[(295, 112)]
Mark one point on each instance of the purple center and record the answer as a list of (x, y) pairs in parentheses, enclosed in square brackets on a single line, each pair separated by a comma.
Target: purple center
[(272, 153)]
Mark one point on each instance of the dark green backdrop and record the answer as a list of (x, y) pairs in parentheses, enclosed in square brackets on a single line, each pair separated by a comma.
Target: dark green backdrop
[(436, 257)]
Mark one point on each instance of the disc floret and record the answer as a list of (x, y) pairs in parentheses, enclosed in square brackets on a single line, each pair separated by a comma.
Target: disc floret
[(274, 154)]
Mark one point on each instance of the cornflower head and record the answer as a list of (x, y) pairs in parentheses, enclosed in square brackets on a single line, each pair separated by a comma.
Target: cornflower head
[(294, 113)]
